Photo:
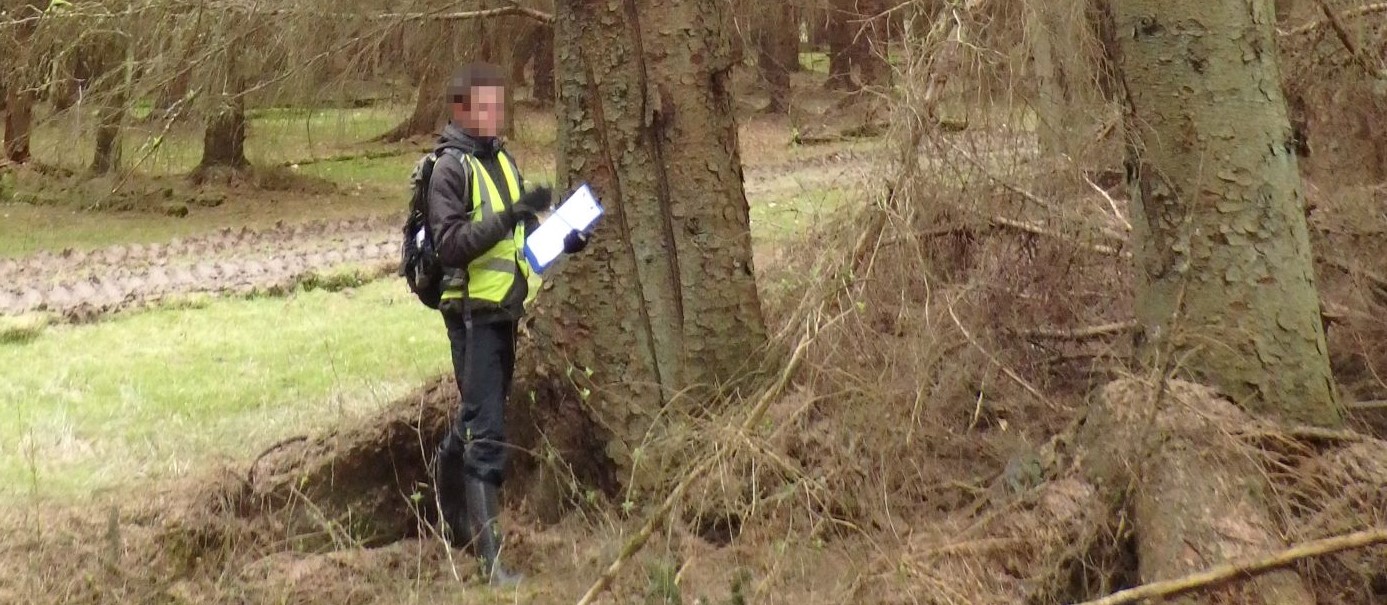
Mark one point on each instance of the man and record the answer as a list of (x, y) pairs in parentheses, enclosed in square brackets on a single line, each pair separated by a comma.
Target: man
[(480, 213)]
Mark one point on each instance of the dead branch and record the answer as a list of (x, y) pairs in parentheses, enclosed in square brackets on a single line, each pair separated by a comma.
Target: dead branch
[(500, 11), (1243, 570), (1002, 221), (1302, 433), (1082, 333), (1361, 11), (347, 157), (1005, 370), (1365, 406), (1341, 33)]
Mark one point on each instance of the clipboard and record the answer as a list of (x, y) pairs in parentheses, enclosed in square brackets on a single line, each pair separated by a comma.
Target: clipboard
[(580, 212)]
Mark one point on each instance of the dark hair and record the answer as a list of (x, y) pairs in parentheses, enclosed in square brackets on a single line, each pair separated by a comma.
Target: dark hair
[(472, 75)]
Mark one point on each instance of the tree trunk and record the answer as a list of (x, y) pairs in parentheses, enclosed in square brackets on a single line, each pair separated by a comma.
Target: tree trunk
[(662, 307), (869, 46), (1217, 206), (776, 43), (543, 89), (856, 44), (1196, 497), (790, 42), (108, 148), (840, 45), (224, 140), (1052, 91), (19, 121), (430, 107), (109, 78)]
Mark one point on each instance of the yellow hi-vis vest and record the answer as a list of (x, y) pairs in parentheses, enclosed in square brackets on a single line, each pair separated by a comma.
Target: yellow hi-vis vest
[(491, 276)]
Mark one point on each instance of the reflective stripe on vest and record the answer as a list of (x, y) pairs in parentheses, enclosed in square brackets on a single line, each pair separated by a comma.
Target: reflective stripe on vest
[(491, 276)]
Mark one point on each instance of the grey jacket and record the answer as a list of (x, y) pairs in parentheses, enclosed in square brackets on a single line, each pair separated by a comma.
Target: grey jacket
[(459, 240)]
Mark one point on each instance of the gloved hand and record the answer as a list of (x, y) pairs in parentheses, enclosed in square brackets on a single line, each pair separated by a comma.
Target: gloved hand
[(532, 203), (574, 242)]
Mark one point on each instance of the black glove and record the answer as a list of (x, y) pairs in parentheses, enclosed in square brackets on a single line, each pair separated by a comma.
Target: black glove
[(574, 242), (532, 203)]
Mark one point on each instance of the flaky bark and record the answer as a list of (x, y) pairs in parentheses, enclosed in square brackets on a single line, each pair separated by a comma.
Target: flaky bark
[(664, 300), (1218, 207)]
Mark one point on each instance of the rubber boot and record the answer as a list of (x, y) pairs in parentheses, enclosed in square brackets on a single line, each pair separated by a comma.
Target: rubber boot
[(483, 505), (452, 502)]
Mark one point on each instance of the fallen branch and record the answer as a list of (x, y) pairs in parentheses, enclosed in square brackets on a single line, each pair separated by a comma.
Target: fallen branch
[(1081, 333), (1230, 571), (1368, 9), (1002, 221), (1303, 433), (1352, 47), (1363, 406), (500, 11), (347, 157)]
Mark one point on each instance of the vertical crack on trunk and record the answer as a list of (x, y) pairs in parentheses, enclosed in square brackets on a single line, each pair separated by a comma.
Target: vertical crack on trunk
[(651, 132), (600, 128)]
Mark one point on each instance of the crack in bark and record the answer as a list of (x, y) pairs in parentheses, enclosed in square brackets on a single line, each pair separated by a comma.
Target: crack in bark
[(600, 128)]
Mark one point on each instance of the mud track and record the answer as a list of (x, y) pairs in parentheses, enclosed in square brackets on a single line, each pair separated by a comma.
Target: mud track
[(77, 285), (81, 285)]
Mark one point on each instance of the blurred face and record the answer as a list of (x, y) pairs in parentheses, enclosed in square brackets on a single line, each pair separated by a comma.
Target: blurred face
[(487, 113)]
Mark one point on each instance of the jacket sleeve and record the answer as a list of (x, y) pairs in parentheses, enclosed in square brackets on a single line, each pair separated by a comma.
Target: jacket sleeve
[(457, 239)]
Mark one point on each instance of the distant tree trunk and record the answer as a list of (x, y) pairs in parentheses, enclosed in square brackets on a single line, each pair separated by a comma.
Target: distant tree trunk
[(1218, 208), (663, 303), (19, 119), (430, 106), (109, 78), (840, 47), (523, 49), (543, 89), (107, 157), (171, 94), (856, 43), (777, 45), (224, 140), (19, 98), (869, 48)]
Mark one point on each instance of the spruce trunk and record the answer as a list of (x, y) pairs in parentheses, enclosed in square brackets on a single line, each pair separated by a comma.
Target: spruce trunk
[(1218, 209)]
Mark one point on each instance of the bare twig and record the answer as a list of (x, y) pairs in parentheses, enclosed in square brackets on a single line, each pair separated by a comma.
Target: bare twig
[(1005, 370), (637, 542), (1230, 571), (1112, 204), (1082, 333), (1363, 406)]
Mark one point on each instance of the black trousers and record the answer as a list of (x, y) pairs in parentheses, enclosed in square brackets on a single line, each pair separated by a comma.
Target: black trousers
[(483, 362)]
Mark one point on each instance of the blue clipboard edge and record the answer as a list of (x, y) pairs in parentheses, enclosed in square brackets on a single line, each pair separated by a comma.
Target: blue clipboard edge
[(601, 211)]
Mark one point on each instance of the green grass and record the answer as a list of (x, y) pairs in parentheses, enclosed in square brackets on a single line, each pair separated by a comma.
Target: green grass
[(786, 215), (151, 395), (273, 136)]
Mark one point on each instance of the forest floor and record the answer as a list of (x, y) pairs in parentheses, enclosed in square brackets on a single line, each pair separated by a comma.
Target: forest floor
[(160, 344)]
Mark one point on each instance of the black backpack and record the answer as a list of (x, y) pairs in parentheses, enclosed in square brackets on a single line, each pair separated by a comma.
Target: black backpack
[(418, 258)]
